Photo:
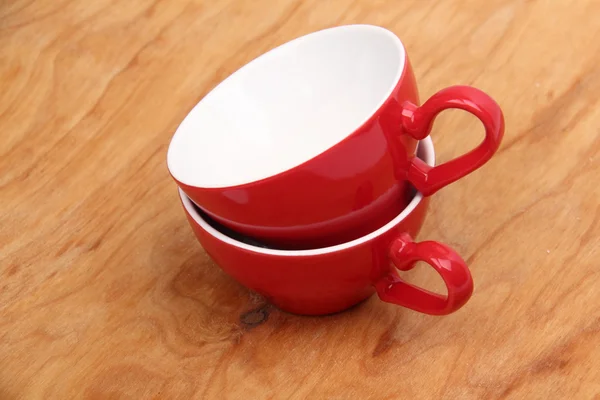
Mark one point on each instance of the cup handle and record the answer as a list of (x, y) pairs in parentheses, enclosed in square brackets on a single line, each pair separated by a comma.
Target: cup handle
[(404, 253), (418, 121)]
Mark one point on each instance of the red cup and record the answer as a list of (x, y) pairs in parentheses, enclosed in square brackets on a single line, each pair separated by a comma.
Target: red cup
[(313, 143), (331, 279)]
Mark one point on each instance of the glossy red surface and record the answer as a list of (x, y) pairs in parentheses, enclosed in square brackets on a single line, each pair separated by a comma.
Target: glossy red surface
[(404, 253), (350, 190), (303, 282), (417, 121), (359, 184)]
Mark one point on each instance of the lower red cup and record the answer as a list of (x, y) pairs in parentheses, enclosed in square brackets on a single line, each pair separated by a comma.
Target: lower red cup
[(332, 279)]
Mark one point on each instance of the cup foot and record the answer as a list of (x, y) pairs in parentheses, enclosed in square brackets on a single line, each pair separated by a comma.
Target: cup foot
[(320, 308)]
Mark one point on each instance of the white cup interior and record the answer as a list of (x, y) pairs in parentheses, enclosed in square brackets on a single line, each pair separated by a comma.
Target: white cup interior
[(425, 151), (286, 106)]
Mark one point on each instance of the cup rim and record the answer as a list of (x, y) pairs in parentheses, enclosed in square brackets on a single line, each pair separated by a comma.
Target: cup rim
[(263, 58), (429, 158)]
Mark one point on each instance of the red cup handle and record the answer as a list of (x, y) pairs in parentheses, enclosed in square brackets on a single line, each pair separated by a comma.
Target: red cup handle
[(417, 122), (404, 253)]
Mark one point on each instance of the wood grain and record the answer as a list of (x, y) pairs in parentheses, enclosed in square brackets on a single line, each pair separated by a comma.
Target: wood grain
[(105, 294)]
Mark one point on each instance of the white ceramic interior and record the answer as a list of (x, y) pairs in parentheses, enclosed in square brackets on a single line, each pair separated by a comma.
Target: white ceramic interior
[(286, 106), (425, 151)]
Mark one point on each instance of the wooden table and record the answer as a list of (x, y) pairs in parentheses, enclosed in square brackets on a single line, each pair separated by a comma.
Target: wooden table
[(105, 293)]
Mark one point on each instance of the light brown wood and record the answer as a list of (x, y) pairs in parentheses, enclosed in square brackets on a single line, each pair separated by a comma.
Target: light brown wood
[(105, 293)]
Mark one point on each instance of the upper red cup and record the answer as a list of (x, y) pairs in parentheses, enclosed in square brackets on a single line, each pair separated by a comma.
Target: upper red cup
[(331, 279), (313, 143)]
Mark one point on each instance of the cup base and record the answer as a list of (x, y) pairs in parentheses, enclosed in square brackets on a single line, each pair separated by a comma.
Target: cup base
[(323, 308)]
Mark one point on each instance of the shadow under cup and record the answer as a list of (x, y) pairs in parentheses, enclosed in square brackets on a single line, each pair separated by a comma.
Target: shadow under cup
[(331, 279)]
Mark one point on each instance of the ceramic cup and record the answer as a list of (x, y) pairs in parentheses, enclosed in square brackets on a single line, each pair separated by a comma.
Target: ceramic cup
[(331, 279), (313, 143)]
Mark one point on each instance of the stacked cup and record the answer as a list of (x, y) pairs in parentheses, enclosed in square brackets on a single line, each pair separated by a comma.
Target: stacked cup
[(306, 173)]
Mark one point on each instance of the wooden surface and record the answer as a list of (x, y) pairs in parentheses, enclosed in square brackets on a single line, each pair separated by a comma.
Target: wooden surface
[(105, 294)]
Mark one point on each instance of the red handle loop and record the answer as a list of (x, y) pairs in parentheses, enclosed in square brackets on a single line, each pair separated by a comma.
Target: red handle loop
[(417, 122), (404, 253)]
